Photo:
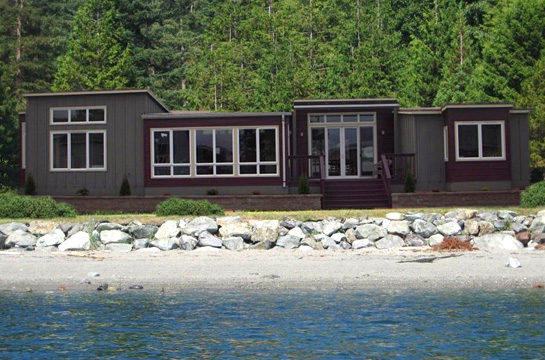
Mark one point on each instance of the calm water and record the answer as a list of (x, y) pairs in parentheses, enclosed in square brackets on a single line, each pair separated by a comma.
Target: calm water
[(265, 324)]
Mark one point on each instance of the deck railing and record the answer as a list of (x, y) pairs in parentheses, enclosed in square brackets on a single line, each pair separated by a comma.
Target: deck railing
[(400, 165), (386, 177), (311, 166)]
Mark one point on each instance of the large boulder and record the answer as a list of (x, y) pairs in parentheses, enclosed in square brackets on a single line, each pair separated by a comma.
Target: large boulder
[(414, 240), (207, 239), (238, 229), (360, 244), (350, 223), (188, 243), (435, 239), (233, 243), (449, 229), (390, 242), (119, 248), (288, 223), (497, 243), (80, 241), (371, 232), (199, 225), (400, 228), (108, 226), (296, 231), (312, 227), (395, 216), (265, 231), (41, 227), (330, 244), (330, 227), (288, 242), (226, 220), (114, 237), (20, 238), (423, 228), (54, 238), (142, 231), (10, 228), (168, 230), (140, 243), (165, 244)]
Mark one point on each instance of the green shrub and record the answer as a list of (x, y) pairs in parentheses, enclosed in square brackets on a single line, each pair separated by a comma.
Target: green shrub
[(182, 207), (410, 183), (15, 206), (212, 192), (533, 196), (30, 186), (82, 192), (125, 189), (304, 187)]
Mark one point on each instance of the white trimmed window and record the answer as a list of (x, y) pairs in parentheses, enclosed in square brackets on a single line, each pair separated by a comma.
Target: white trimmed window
[(258, 151), (78, 115), (214, 152), (445, 143), (480, 140), (78, 150), (170, 150)]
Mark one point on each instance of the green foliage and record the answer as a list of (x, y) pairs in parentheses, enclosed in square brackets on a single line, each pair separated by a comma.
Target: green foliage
[(15, 206), (97, 56), (125, 189), (533, 196), (175, 206), (304, 187), (410, 183), (30, 186), (82, 192)]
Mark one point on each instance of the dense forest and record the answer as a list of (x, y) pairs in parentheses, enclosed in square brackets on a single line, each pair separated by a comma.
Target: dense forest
[(258, 55)]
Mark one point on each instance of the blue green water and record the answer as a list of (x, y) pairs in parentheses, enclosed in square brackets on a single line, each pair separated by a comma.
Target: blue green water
[(274, 325)]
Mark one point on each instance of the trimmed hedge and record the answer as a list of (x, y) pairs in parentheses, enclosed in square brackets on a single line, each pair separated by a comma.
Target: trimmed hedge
[(15, 206), (533, 196), (175, 206)]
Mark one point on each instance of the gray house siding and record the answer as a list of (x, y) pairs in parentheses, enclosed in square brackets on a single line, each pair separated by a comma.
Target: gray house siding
[(124, 143), (520, 151)]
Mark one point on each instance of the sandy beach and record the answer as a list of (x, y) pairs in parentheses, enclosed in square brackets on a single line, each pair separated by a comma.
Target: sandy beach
[(272, 269)]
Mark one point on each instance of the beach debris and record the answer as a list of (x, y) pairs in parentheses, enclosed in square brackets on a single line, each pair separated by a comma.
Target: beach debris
[(61, 288), (85, 281), (103, 287), (93, 274), (136, 287), (454, 243), (513, 263), (539, 286)]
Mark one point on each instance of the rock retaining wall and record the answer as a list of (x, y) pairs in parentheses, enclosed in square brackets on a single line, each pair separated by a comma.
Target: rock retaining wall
[(489, 231)]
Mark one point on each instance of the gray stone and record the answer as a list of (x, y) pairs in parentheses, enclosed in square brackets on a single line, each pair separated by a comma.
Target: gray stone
[(487, 216), (330, 244), (350, 223), (414, 240), (114, 237), (288, 223), (450, 228), (168, 230), (485, 227), (66, 227), (188, 243), (108, 226), (207, 239), (338, 237), (389, 242), (537, 223), (240, 229), (80, 241), (360, 244), (309, 241), (319, 237), (350, 235), (345, 245), (149, 250), (497, 243), (507, 215), (3, 238), (500, 225), (395, 216), (312, 227), (371, 232), (164, 244), (414, 216), (199, 225), (518, 228), (143, 231), (10, 228), (297, 232), (435, 239), (76, 229), (423, 228), (233, 243), (288, 242), (431, 217), (265, 231), (331, 227), (20, 238), (119, 247), (471, 227), (226, 220), (400, 228), (264, 245), (140, 243), (54, 238)]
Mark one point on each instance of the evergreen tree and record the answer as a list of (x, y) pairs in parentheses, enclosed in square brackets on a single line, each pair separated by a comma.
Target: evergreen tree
[(97, 57), (9, 139)]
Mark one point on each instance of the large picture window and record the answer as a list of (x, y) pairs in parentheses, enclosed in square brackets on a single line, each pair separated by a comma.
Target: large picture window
[(207, 152), (77, 151), (78, 115), (483, 140)]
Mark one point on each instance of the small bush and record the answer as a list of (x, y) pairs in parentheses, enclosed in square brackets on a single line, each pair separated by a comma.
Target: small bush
[(410, 183), (212, 192), (125, 189), (30, 186), (533, 196), (304, 187), (536, 175), (453, 243), (82, 192), (182, 207), (15, 206)]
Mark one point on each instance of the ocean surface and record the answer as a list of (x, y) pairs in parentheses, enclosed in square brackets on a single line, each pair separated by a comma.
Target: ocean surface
[(274, 324)]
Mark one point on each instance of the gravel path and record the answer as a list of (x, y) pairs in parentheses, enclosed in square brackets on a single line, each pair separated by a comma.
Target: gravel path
[(282, 269)]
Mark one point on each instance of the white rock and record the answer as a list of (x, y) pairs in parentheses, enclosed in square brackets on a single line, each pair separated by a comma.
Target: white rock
[(338, 237), (238, 229), (398, 228), (20, 238), (371, 232), (395, 216), (435, 239), (350, 223), (226, 220), (168, 230), (149, 250), (513, 263), (93, 274), (305, 249), (200, 224), (10, 228), (389, 242), (233, 243), (360, 244), (331, 227), (53, 238), (165, 244), (207, 239), (78, 242), (449, 229), (288, 241), (297, 232), (119, 247), (497, 243), (188, 243), (114, 237)]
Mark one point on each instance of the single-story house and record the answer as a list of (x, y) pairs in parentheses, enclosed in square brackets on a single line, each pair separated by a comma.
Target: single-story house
[(356, 152)]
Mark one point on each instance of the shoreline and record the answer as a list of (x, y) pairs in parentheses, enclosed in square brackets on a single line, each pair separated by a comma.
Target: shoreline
[(270, 270)]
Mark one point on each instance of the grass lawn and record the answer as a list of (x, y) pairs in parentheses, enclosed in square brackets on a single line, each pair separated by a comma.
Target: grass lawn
[(268, 215)]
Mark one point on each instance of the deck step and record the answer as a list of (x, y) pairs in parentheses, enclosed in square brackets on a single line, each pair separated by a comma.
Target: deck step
[(355, 194)]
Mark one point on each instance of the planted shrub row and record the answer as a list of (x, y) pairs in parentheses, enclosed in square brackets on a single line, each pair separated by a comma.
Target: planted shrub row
[(533, 196), (175, 206), (15, 206)]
